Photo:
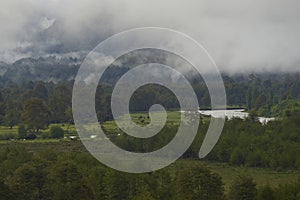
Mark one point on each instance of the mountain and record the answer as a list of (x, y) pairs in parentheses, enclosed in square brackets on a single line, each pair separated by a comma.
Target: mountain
[(36, 69), (57, 38), (3, 68)]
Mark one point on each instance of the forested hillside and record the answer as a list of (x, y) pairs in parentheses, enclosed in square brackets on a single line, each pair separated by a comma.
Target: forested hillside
[(35, 106)]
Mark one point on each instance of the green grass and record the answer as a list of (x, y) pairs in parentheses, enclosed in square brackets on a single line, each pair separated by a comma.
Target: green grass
[(37, 145), (7, 130), (173, 117), (7, 135), (141, 119), (66, 127)]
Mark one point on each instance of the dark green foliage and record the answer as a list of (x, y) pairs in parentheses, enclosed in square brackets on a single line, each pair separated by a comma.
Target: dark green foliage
[(12, 118), (266, 193), (66, 173), (66, 182), (11, 159), (243, 188), (56, 132), (289, 191), (29, 180), (31, 136), (247, 143), (265, 94), (52, 175), (237, 157), (35, 114), (59, 102), (198, 182), (5, 192), (40, 91), (22, 132), (143, 194)]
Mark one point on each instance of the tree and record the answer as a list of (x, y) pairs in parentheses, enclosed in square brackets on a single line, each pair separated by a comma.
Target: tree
[(254, 159), (237, 157), (103, 108), (143, 194), (57, 108), (66, 182), (252, 117), (5, 192), (29, 180), (243, 188), (2, 107), (40, 91), (13, 110), (59, 101), (12, 118), (69, 116), (56, 132), (22, 132), (35, 114), (290, 191), (198, 182), (260, 101), (266, 193)]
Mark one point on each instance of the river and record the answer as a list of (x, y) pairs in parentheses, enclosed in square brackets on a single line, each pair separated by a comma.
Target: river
[(238, 113)]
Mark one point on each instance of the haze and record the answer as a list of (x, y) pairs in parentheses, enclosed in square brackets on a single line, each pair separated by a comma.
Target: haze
[(241, 36)]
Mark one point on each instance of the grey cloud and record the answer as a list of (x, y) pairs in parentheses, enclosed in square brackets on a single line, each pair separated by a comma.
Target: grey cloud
[(241, 36)]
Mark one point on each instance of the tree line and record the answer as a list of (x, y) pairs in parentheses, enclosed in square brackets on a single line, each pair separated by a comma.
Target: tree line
[(259, 93), (49, 174), (249, 143)]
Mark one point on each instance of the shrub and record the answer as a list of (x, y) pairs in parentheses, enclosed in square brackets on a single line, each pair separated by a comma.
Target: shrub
[(22, 132), (56, 132), (30, 136), (243, 188)]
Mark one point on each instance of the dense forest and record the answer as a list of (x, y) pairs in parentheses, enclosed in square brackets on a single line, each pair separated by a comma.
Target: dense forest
[(265, 96), (57, 174), (73, 174), (41, 110)]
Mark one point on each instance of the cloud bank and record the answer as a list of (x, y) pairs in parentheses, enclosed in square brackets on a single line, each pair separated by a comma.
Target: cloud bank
[(241, 36)]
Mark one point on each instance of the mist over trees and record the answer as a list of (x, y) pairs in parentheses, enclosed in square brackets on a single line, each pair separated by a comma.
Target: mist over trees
[(34, 105)]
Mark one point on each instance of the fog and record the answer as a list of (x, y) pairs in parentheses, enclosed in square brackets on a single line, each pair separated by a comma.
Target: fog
[(241, 36)]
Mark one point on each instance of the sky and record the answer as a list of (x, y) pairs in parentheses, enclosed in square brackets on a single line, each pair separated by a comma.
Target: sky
[(240, 36)]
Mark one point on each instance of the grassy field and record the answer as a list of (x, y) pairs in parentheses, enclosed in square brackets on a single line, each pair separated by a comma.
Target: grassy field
[(142, 119), (6, 132)]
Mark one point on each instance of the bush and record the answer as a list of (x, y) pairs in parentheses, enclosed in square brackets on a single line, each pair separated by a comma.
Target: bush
[(237, 157), (45, 135), (7, 136), (22, 132), (290, 191), (30, 136), (243, 188), (266, 193), (56, 132), (198, 182)]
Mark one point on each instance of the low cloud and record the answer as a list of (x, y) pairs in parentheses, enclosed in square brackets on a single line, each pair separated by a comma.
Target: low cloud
[(241, 36)]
